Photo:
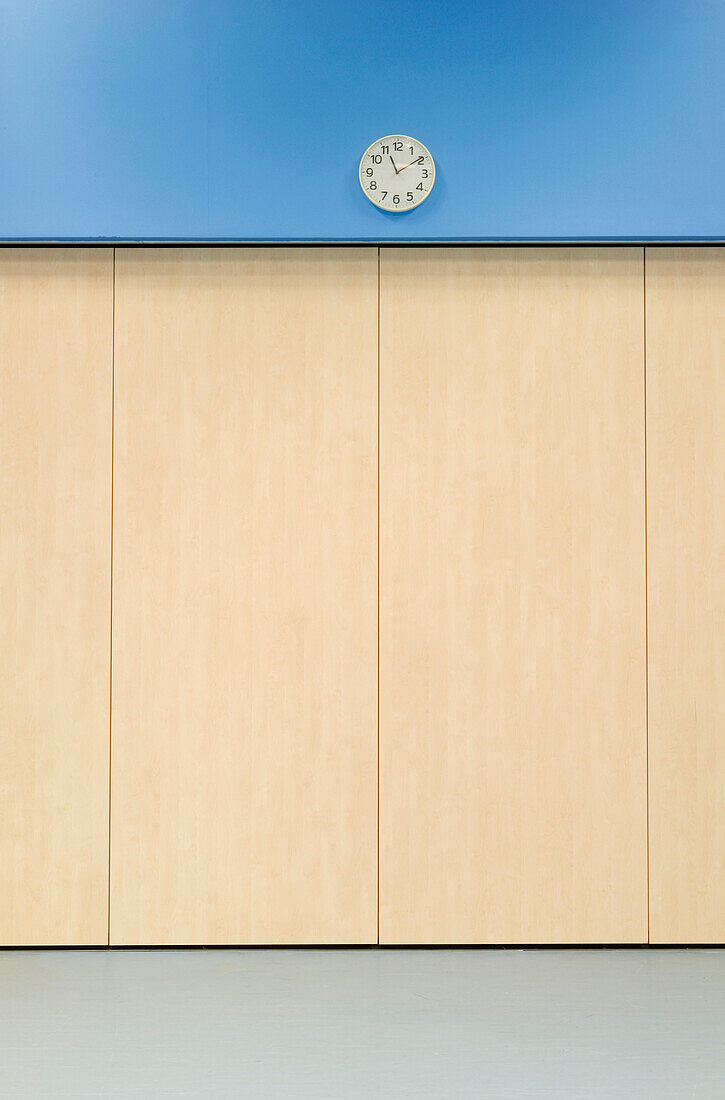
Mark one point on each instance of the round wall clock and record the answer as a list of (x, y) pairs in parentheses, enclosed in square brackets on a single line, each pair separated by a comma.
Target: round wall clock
[(397, 173)]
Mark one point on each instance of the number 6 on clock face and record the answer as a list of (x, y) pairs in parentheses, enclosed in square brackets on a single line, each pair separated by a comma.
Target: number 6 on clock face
[(397, 173)]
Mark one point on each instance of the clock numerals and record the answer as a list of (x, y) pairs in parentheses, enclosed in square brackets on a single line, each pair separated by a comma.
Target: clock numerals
[(401, 162)]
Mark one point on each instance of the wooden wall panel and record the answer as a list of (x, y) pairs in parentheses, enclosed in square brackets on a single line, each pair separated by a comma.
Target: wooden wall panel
[(686, 574), (512, 582), (244, 792), (55, 517)]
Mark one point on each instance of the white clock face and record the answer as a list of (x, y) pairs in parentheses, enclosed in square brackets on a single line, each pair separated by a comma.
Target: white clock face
[(397, 173)]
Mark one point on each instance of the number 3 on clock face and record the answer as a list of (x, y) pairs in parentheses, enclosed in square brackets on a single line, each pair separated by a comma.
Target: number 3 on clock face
[(397, 173)]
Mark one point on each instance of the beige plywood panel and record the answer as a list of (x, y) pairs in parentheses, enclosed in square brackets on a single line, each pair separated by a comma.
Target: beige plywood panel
[(512, 587), (244, 745), (55, 516), (686, 581)]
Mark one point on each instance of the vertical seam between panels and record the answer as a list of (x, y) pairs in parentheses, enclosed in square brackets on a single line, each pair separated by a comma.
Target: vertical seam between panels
[(379, 595)]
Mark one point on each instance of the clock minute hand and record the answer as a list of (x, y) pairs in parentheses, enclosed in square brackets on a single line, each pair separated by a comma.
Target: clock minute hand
[(407, 165)]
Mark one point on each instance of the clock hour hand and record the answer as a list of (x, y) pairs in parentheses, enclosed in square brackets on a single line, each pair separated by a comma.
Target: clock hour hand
[(397, 170)]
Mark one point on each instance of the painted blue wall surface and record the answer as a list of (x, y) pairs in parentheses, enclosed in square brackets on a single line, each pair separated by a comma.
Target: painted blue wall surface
[(246, 119)]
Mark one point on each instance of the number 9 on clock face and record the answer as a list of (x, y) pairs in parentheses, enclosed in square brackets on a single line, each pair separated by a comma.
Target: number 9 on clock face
[(397, 173)]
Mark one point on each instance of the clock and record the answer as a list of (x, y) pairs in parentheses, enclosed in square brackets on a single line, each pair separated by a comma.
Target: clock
[(397, 173)]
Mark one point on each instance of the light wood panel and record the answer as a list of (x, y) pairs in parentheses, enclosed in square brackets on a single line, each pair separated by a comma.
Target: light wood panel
[(244, 791), (512, 618), (686, 580), (55, 517)]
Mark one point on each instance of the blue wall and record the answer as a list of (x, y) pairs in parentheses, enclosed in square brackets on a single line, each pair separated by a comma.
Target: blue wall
[(213, 119)]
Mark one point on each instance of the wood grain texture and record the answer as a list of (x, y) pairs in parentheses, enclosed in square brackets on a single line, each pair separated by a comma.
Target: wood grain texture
[(244, 790), (55, 517), (686, 581), (512, 579)]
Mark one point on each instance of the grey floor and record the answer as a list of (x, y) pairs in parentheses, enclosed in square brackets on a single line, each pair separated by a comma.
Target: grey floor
[(365, 1023)]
